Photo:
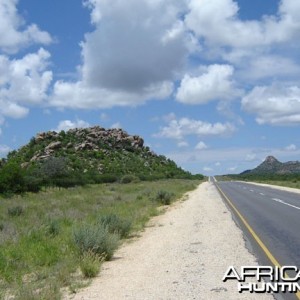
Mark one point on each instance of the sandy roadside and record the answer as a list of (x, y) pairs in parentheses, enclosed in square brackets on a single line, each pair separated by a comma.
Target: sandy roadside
[(278, 187), (182, 255)]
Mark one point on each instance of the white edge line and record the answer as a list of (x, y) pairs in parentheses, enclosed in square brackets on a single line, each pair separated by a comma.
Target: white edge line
[(280, 201)]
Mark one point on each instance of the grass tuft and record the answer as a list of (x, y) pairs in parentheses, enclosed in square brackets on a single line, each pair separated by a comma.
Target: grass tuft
[(52, 227), (116, 224), (15, 211), (90, 264)]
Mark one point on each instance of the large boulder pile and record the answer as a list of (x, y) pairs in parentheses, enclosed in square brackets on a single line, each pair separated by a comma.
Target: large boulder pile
[(89, 139), (95, 151)]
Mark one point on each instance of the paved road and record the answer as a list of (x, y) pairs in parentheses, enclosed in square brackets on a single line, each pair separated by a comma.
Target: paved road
[(273, 214)]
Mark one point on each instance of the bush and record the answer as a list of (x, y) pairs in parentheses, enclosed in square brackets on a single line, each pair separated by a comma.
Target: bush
[(164, 197), (148, 177), (115, 224), (33, 184), (12, 178), (128, 179), (53, 168), (71, 180), (105, 178), (15, 211), (95, 239)]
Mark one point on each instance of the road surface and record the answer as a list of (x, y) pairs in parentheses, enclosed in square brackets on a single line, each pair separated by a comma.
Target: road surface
[(274, 215)]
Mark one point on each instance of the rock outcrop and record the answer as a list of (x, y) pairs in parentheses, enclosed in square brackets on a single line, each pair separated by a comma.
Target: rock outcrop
[(85, 139), (99, 151)]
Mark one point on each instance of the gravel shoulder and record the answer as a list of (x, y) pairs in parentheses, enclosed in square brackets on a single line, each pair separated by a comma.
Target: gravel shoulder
[(182, 254), (278, 187)]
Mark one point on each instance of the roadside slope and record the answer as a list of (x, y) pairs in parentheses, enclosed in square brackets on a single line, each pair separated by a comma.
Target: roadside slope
[(183, 254)]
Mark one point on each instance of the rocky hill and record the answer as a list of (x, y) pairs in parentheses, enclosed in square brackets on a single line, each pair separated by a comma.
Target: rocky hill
[(273, 166), (96, 150)]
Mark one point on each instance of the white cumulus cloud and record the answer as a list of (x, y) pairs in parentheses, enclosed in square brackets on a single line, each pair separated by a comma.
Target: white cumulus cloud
[(68, 124), (291, 147), (131, 56), (215, 83), (81, 95), (201, 146), (4, 149), (275, 105), (271, 66), (116, 125), (178, 129), (182, 144), (23, 82), (217, 21), (14, 34)]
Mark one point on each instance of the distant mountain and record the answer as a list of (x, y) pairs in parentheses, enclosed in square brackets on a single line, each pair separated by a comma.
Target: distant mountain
[(273, 166)]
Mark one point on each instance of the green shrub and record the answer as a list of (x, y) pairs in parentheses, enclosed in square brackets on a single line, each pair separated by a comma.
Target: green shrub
[(32, 183), (95, 239), (1, 226), (12, 178), (164, 197), (15, 211), (90, 264), (73, 179), (105, 178), (128, 179), (54, 167), (115, 224)]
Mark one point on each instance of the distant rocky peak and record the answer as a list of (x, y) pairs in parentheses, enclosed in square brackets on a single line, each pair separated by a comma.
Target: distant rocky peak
[(271, 160), (271, 165)]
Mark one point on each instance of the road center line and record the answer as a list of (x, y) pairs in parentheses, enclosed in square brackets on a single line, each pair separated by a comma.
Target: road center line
[(281, 201)]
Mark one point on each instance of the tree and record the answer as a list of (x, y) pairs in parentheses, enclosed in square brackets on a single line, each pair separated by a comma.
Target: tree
[(12, 178), (53, 169)]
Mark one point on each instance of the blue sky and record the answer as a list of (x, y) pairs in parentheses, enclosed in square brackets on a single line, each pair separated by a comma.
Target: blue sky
[(211, 84)]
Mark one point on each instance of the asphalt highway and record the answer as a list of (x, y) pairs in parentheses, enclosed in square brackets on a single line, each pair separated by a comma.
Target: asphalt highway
[(273, 214)]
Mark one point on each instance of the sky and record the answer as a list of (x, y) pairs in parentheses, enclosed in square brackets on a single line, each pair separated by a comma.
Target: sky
[(212, 84)]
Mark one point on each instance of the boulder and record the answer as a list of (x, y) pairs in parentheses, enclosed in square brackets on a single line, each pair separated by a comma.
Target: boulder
[(53, 145), (85, 146)]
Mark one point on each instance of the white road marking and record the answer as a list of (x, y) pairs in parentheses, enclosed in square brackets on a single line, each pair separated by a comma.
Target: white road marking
[(281, 201), (251, 191), (262, 194)]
